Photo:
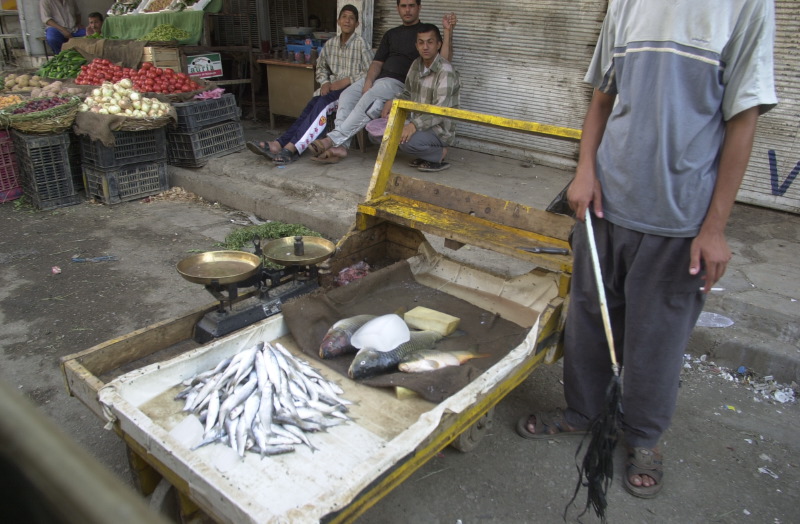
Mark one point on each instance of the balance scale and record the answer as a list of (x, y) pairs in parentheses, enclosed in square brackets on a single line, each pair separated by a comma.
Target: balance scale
[(224, 273)]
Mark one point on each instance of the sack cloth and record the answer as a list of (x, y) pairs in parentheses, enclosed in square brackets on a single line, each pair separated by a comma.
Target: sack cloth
[(102, 127), (127, 53), (386, 291)]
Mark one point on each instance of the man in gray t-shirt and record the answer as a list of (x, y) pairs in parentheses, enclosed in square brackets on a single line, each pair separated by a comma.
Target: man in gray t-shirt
[(666, 141)]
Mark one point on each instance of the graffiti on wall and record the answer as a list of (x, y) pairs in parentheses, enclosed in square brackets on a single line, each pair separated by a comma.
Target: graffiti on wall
[(779, 188)]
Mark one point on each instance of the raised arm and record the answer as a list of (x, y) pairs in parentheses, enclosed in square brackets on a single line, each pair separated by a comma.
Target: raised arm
[(449, 22)]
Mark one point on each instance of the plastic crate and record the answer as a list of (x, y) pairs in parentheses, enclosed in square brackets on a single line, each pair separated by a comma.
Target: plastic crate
[(200, 114), (130, 147), (195, 149), (75, 164), (44, 171), (10, 188), (127, 182)]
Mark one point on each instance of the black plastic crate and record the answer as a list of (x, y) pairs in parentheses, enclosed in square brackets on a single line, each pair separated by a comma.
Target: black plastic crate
[(130, 147), (130, 182), (200, 114), (44, 171), (195, 149), (75, 160), (9, 178)]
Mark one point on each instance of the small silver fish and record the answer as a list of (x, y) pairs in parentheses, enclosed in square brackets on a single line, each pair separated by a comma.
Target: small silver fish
[(432, 359)]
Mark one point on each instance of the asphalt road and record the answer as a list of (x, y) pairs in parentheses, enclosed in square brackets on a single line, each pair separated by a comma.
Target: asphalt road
[(731, 455)]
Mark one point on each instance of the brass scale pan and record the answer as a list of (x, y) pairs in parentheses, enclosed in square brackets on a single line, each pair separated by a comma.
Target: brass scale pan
[(228, 267)]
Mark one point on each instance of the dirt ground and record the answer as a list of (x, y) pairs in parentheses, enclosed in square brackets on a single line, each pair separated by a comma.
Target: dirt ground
[(731, 455)]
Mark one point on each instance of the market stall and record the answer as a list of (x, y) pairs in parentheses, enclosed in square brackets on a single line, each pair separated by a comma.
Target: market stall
[(106, 131), (135, 25)]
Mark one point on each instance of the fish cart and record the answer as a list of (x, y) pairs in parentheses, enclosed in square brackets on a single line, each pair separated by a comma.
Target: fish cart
[(131, 381)]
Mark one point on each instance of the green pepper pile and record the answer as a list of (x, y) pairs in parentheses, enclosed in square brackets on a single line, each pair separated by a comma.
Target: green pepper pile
[(66, 64), (165, 33)]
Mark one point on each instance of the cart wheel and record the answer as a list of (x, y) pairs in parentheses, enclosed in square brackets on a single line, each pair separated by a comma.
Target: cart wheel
[(164, 501), (468, 440)]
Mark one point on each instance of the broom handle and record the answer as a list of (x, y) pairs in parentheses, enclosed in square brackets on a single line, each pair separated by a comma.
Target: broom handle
[(601, 292)]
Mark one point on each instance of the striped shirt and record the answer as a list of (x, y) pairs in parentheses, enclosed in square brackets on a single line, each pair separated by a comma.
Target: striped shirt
[(337, 61), (679, 71), (438, 85)]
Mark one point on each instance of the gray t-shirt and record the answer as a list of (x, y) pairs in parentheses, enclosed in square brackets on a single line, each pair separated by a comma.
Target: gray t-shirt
[(680, 69)]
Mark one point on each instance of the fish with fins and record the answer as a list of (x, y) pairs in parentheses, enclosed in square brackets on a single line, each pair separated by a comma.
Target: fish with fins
[(337, 340), (370, 361), (432, 359)]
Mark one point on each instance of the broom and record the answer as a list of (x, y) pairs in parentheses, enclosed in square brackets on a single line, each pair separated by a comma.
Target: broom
[(597, 468)]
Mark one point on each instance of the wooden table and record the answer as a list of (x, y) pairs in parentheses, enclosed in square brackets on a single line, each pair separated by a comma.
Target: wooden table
[(290, 85)]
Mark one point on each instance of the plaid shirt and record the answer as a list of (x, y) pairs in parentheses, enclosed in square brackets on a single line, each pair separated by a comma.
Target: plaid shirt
[(440, 86), (337, 61)]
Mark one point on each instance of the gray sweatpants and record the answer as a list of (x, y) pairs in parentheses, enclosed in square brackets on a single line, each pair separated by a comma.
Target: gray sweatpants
[(653, 305), (425, 145)]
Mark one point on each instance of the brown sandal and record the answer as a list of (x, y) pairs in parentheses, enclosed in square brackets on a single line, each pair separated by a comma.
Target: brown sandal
[(643, 461), (547, 426)]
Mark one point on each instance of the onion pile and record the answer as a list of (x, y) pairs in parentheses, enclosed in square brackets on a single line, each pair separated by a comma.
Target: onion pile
[(122, 99)]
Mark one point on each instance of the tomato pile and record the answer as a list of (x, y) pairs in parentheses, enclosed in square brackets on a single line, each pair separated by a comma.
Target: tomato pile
[(41, 105), (147, 79)]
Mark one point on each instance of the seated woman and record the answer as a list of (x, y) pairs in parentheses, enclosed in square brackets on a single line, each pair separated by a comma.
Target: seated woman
[(342, 61)]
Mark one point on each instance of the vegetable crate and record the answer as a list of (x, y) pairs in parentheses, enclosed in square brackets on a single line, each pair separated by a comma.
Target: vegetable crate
[(125, 183), (130, 147), (195, 149), (9, 180), (199, 114), (165, 57), (44, 170), (75, 164)]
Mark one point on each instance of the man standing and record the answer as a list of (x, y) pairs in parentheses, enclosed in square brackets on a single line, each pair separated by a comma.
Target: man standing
[(431, 80), (63, 21), (384, 80), (666, 141)]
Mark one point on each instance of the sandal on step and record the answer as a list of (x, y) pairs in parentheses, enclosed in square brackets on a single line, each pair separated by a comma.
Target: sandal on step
[(416, 162), (285, 157), (547, 426), (643, 461), (317, 147), (258, 149), (327, 158)]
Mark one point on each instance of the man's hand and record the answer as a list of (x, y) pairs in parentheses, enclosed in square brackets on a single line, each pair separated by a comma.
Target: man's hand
[(387, 108), (709, 250), (367, 86), (325, 88), (585, 190), (408, 130), (449, 21)]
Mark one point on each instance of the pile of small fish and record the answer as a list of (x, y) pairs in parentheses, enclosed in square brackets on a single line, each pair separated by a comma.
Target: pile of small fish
[(263, 400), (383, 344)]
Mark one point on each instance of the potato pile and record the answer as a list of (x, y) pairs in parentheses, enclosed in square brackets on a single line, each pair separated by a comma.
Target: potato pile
[(54, 89), (23, 83)]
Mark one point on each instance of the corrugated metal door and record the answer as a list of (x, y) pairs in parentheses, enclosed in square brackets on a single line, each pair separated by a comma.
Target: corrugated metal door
[(772, 176)]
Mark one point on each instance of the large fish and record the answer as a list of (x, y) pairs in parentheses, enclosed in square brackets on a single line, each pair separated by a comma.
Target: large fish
[(337, 340), (370, 361), (432, 359)]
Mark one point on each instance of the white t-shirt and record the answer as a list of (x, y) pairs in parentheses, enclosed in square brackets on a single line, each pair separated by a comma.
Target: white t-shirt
[(680, 69)]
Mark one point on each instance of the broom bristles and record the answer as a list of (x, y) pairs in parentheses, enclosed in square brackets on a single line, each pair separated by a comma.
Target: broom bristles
[(597, 468)]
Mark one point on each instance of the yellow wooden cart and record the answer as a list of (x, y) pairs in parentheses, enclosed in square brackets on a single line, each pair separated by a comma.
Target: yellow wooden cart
[(129, 380)]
